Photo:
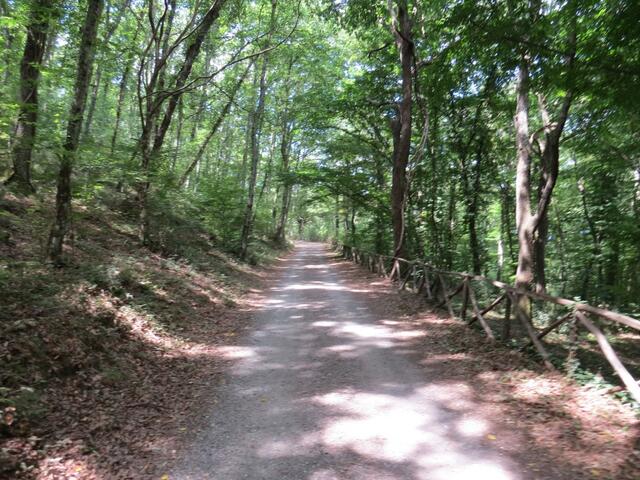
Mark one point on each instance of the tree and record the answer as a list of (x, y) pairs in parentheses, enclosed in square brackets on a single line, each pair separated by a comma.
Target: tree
[(386, 125), (401, 126), (256, 126), (285, 153), (41, 13), (161, 99), (532, 225), (86, 51)]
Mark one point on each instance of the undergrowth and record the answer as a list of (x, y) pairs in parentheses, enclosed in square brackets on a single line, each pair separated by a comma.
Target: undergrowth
[(103, 318)]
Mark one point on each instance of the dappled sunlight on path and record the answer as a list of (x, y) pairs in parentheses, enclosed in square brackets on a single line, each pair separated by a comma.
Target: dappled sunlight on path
[(327, 388)]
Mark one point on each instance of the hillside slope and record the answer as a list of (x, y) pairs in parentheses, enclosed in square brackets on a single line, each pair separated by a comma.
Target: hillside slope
[(99, 360)]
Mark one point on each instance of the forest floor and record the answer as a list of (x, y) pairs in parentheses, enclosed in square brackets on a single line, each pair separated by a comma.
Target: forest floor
[(112, 367), (103, 363)]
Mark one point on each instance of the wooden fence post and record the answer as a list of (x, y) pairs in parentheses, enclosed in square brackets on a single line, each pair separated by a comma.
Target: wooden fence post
[(506, 328), (511, 296), (524, 319), (395, 271), (445, 292), (478, 313), (414, 281), (465, 299), (420, 269), (573, 344), (427, 283), (405, 280)]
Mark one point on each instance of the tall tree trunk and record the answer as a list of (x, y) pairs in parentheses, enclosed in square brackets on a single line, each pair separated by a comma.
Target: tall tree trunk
[(285, 147), (471, 189), (345, 222), (336, 219), (595, 237), (401, 26), (549, 146), (380, 226), (449, 232), (112, 26), (539, 253), (83, 77), (178, 142), (256, 124), (247, 141), (157, 123), (122, 93), (433, 188), (549, 166), (285, 152), (267, 174), (280, 234), (247, 226), (533, 227), (93, 102), (25, 133), (474, 243), (476, 247), (562, 257), (352, 223), (524, 218), (507, 211)]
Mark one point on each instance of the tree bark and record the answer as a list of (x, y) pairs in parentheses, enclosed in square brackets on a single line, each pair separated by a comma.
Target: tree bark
[(549, 169), (471, 176), (401, 26), (122, 93), (336, 219), (256, 126), (285, 153), (83, 77), (247, 140), (549, 146), (524, 218), (267, 174), (40, 17), (112, 26), (539, 254), (449, 231), (285, 148), (93, 102), (178, 132), (533, 227)]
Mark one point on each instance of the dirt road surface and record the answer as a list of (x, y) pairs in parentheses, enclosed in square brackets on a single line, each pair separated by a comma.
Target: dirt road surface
[(323, 389)]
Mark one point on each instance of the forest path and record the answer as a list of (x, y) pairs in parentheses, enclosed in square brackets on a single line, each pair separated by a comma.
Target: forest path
[(328, 388)]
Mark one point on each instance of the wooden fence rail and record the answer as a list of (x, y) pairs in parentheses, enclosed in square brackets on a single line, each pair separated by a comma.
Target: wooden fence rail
[(423, 278)]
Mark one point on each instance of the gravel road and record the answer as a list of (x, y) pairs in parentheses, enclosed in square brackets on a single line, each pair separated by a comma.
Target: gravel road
[(322, 390)]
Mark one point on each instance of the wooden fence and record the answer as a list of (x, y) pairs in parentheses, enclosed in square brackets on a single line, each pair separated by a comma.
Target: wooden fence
[(425, 279)]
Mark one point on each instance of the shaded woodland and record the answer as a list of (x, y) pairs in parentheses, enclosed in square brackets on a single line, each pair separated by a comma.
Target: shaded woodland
[(495, 137)]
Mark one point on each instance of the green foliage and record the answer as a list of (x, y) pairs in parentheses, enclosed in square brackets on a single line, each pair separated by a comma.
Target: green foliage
[(326, 142), (332, 84)]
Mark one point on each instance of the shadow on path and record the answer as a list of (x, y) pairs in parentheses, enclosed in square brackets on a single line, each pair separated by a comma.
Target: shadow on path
[(327, 387)]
